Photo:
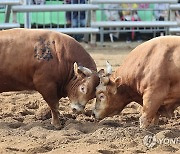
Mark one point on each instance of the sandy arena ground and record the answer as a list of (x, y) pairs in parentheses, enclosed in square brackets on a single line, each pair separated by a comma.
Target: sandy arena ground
[(25, 123)]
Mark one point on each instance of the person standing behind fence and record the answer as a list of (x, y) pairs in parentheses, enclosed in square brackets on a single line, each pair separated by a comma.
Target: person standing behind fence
[(113, 14), (76, 18), (130, 14), (68, 15), (161, 13), (38, 2), (177, 14)]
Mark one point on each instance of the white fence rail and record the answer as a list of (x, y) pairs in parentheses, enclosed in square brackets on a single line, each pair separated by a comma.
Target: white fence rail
[(107, 24), (46, 8), (9, 25), (11, 2), (85, 30), (131, 1)]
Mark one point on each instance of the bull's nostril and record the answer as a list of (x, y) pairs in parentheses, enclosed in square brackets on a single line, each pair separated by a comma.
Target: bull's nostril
[(74, 110), (93, 114)]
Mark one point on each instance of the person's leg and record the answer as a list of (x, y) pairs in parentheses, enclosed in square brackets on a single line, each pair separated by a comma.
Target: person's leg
[(161, 32), (128, 34), (75, 24), (138, 36), (68, 14)]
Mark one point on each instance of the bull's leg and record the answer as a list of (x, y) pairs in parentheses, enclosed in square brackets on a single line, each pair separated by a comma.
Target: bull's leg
[(151, 103), (54, 106), (149, 114), (166, 110), (155, 120), (49, 93), (169, 108)]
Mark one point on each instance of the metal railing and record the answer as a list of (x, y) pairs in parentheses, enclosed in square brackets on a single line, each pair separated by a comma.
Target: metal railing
[(9, 25), (131, 1), (173, 8), (47, 8), (64, 7), (94, 27), (11, 2), (8, 6), (125, 26)]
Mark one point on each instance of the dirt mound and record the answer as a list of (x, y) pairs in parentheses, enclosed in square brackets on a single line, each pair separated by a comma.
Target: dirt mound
[(25, 128)]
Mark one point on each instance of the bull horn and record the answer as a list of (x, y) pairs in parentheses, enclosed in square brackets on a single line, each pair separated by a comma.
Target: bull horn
[(109, 68), (85, 70)]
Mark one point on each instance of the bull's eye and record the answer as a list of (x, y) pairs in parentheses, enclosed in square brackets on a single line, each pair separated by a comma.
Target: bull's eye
[(101, 97), (83, 89)]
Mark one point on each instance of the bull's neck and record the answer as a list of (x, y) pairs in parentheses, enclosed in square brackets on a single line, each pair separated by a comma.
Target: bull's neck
[(65, 83), (132, 95), (71, 83)]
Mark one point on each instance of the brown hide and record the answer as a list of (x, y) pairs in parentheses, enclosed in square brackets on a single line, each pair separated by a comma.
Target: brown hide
[(154, 65), (40, 60), (150, 75)]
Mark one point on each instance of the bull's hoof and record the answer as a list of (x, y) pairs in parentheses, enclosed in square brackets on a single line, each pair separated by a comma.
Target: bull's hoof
[(154, 122), (143, 122), (143, 126), (57, 126)]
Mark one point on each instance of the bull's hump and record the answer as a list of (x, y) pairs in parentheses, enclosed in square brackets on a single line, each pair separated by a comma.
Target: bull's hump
[(152, 58)]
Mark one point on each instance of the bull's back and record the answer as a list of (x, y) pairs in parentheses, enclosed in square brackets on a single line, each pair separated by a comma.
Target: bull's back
[(25, 54), (154, 62), (16, 60)]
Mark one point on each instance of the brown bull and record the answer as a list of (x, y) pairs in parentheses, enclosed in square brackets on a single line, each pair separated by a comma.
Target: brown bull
[(46, 61), (150, 76)]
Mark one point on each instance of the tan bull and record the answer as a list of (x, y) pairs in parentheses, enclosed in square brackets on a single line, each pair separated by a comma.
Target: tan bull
[(150, 76), (52, 63)]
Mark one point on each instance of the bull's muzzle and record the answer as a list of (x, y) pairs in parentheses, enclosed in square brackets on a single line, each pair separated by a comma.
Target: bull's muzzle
[(95, 114), (77, 107)]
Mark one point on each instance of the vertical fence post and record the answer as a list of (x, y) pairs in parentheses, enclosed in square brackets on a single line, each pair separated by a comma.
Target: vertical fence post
[(88, 23), (14, 16), (7, 13), (27, 20), (93, 19), (172, 16)]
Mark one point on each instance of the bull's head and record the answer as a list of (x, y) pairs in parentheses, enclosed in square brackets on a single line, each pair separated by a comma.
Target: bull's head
[(83, 87), (111, 96)]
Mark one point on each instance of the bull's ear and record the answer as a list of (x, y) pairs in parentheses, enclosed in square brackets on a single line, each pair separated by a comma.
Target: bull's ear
[(75, 69), (81, 71), (108, 68), (118, 81), (114, 90), (104, 80)]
